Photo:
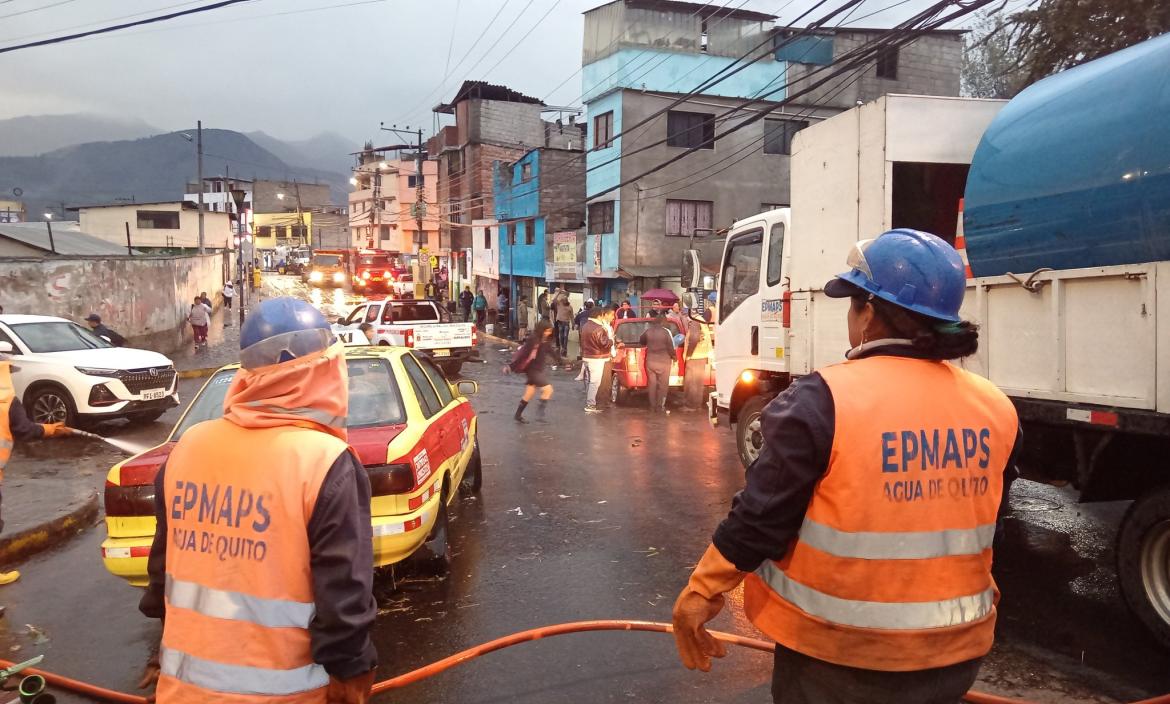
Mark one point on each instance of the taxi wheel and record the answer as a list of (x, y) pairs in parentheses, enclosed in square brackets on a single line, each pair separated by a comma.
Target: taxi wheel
[(473, 476), (434, 555)]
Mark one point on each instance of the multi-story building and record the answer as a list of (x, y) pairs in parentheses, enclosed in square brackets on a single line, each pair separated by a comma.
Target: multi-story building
[(642, 56), (539, 203), (383, 210), (492, 123), (166, 225)]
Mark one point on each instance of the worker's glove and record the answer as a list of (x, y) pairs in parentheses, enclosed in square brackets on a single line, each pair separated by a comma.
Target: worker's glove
[(355, 690), (150, 675), (57, 430), (699, 602)]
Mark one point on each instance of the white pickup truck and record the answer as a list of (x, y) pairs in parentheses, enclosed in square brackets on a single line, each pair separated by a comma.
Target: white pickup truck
[(422, 325)]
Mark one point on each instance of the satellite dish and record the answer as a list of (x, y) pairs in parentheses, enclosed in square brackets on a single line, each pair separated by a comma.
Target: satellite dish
[(18, 192)]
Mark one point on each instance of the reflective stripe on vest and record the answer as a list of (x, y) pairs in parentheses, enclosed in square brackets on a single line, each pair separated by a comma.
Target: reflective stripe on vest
[(7, 395), (877, 614), (909, 545), (239, 679), (312, 414), (218, 603)]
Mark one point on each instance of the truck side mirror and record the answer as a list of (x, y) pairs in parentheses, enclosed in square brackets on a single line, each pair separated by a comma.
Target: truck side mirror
[(692, 269)]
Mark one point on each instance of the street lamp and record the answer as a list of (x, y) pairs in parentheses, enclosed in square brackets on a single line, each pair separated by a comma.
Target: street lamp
[(49, 226), (198, 172)]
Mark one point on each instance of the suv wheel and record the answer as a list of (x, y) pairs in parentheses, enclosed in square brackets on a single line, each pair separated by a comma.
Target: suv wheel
[(50, 404)]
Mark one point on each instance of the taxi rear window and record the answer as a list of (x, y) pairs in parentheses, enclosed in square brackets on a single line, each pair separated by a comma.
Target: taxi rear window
[(374, 397)]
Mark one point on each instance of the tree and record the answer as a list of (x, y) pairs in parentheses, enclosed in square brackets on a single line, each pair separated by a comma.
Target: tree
[(1059, 34), (991, 59)]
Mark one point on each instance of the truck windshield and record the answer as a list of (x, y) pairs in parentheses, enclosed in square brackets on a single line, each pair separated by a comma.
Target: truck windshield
[(326, 260), (377, 261), (740, 278)]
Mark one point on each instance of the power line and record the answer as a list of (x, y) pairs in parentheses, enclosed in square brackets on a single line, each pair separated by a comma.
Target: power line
[(451, 41), (125, 25), (91, 24), (37, 9)]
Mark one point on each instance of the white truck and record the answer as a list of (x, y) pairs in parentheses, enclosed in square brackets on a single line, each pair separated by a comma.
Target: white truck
[(421, 324), (1067, 234)]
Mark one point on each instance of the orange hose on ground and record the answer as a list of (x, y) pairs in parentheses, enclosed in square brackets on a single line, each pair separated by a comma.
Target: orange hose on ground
[(109, 695)]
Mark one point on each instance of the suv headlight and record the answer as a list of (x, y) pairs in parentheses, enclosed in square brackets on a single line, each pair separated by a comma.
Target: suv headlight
[(97, 371)]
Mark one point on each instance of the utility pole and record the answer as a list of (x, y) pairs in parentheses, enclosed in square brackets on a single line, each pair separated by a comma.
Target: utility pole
[(302, 233), (420, 209), (129, 251), (49, 224), (199, 175)]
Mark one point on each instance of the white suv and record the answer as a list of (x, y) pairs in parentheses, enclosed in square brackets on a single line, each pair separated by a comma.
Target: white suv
[(64, 373)]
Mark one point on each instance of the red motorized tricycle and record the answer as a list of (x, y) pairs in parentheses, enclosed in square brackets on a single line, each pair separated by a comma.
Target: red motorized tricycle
[(629, 366)]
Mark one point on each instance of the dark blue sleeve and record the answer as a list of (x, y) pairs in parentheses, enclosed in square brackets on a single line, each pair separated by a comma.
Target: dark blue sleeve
[(20, 426), (767, 513), (341, 557), (153, 602)]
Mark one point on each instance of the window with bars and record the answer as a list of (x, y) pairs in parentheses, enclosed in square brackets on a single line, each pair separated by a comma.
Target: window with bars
[(692, 130), (684, 217), (603, 130), (412, 181), (778, 135), (601, 218), (887, 64)]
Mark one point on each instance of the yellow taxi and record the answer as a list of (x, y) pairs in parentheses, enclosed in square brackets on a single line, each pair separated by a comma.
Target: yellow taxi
[(414, 431)]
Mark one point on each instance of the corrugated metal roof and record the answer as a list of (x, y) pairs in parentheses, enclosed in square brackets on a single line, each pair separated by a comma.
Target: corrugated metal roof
[(66, 241), (486, 91)]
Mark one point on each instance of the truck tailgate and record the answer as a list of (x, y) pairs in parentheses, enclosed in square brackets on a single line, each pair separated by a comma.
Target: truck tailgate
[(429, 336)]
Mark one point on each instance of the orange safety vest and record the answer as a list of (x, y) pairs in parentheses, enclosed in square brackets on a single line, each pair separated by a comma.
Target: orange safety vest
[(7, 396), (891, 569), (239, 590)]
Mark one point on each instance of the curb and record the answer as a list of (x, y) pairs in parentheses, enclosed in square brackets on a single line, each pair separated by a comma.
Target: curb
[(197, 373), (23, 545), (499, 340)]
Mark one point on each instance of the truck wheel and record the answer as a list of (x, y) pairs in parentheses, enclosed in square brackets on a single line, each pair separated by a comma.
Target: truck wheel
[(618, 394), (1143, 561), (749, 435)]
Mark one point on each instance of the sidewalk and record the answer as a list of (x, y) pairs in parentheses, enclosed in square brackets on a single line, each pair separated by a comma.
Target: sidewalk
[(223, 346)]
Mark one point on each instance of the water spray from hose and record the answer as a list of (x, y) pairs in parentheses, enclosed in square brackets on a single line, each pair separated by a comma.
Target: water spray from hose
[(127, 446)]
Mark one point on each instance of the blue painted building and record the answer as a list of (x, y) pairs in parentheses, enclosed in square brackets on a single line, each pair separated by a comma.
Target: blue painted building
[(535, 197), (641, 56)]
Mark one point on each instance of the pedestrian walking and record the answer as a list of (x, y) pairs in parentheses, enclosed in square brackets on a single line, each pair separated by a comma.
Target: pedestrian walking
[(596, 349), (95, 324), (229, 293), (295, 566), (15, 426), (522, 313), (465, 300), (578, 321), (875, 584), (532, 359), (205, 300), (660, 355), (502, 311), (695, 353), (542, 306), (480, 305), (200, 318), (564, 321)]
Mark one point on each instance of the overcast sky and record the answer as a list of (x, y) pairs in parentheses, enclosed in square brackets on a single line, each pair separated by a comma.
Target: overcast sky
[(295, 68)]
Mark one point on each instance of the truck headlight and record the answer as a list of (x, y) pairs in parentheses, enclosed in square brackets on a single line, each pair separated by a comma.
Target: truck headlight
[(315, 276), (338, 277)]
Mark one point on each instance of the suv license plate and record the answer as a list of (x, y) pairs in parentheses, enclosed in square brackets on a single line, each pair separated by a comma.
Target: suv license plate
[(441, 353), (154, 394)]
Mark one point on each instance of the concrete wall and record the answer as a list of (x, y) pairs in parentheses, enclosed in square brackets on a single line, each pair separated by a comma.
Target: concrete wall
[(678, 72), (737, 176), (505, 123), (146, 299), (929, 65), (109, 223)]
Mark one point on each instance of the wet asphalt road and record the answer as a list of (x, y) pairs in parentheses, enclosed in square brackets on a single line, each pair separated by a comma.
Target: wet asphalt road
[(602, 517)]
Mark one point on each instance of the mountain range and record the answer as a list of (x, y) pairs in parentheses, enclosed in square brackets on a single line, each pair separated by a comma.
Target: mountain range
[(50, 163)]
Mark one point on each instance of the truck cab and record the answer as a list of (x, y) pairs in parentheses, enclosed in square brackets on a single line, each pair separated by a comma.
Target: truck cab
[(326, 268)]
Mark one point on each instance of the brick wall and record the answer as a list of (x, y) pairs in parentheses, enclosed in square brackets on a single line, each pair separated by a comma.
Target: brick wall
[(562, 189), (504, 122)]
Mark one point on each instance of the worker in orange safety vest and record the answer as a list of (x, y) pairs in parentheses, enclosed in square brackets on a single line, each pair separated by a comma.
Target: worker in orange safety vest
[(262, 562), (864, 533), (15, 425)]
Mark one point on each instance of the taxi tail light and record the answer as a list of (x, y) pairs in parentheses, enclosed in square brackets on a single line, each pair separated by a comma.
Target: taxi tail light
[(130, 500), (474, 336), (386, 479), (408, 337)]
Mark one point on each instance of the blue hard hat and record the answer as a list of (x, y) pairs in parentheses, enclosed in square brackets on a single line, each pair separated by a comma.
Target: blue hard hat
[(911, 269), (280, 330)]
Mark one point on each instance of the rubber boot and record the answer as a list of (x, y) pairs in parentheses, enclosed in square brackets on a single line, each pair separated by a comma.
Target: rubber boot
[(9, 577), (519, 415), (540, 410)]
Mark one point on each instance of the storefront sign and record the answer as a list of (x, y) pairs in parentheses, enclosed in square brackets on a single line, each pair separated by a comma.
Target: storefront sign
[(564, 253)]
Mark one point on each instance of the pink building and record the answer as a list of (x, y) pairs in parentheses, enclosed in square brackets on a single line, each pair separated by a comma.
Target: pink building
[(382, 206)]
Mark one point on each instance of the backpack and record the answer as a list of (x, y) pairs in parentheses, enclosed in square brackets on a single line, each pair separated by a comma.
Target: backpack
[(522, 357)]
